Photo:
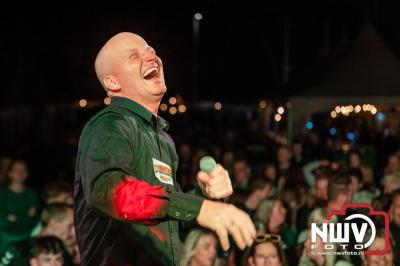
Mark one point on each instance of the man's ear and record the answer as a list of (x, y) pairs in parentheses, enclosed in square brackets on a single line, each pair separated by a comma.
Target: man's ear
[(111, 84)]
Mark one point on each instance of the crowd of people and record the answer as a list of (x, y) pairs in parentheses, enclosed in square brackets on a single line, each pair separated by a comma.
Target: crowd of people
[(283, 189)]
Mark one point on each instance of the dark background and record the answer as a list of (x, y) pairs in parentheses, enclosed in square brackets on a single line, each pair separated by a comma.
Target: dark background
[(47, 53)]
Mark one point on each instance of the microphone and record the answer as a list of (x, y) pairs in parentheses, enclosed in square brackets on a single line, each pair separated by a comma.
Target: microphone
[(207, 164)]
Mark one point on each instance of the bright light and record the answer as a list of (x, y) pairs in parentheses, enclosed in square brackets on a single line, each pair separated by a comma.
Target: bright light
[(278, 117), (346, 147), (374, 110), (369, 107), (172, 110), (82, 103), (364, 107), (351, 108), (357, 109), (198, 16), (333, 114), (107, 101), (217, 106), (172, 100), (182, 108), (310, 125), (281, 110), (337, 109), (380, 116), (343, 110), (351, 136), (163, 107), (262, 104), (332, 131)]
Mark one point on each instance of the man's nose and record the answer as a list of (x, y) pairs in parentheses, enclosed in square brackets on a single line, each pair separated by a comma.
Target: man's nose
[(149, 56)]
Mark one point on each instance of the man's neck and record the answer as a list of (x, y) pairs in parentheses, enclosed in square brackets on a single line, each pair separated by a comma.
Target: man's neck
[(17, 187), (151, 106)]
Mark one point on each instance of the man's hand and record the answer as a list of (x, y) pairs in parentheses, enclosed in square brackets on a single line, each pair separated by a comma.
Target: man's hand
[(216, 184), (226, 219)]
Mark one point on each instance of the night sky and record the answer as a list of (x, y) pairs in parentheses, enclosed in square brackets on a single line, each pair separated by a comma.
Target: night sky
[(47, 55)]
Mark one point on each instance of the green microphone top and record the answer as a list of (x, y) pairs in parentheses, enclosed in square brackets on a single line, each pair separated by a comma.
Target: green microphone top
[(207, 164)]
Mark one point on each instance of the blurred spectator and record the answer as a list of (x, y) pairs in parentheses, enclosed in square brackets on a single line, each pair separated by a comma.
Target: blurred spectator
[(393, 164), (379, 244), (339, 191), (297, 149), (313, 254), (284, 156), (270, 173), (241, 173), (395, 223), (57, 192), (200, 249), (270, 218), (19, 206), (47, 251), (57, 221), (4, 166), (228, 160), (356, 162), (267, 250), (54, 192), (361, 193), (259, 189), (391, 182)]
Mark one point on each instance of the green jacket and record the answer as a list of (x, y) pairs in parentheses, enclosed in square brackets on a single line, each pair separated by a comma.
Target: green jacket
[(127, 201)]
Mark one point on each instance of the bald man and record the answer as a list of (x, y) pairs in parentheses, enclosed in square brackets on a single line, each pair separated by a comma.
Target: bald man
[(128, 203)]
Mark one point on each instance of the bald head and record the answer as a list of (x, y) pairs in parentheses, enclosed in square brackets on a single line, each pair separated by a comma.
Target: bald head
[(110, 54)]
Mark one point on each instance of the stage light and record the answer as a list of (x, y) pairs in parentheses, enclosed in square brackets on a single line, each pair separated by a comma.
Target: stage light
[(163, 107), (172, 110), (310, 125), (262, 104), (351, 136), (198, 16), (380, 116), (172, 100), (107, 101), (83, 103), (182, 108)]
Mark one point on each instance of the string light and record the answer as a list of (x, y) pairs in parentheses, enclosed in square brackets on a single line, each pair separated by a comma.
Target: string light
[(262, 104), (182, 108), (163, 107), (333, 114), (82, 103), (278, 117), (172, 100), (172, 110), (217, 106), (281, 110), (107, 101)]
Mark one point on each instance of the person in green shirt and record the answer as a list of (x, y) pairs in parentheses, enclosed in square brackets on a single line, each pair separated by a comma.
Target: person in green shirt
[(19, 206), (127, 202)]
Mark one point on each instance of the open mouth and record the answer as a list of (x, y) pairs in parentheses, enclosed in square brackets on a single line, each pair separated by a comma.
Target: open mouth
[(151, 73)]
